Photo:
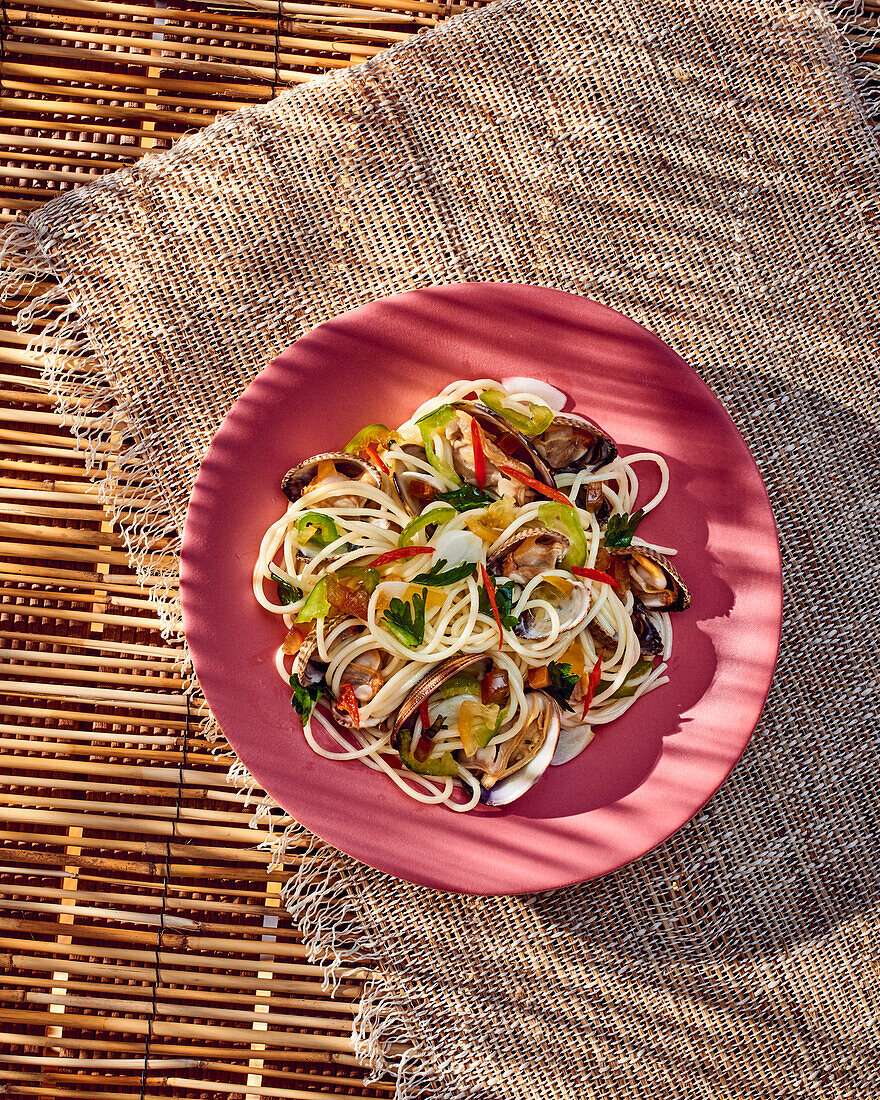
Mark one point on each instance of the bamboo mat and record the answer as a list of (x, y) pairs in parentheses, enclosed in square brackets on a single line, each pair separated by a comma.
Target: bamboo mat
[(143, 948)]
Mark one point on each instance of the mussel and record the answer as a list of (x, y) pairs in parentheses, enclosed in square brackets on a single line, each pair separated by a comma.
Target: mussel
[(655, 582), (572, 443), (332, 468), (512, 767)]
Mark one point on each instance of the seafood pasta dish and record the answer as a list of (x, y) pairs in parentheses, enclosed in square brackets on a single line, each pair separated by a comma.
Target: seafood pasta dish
[(464, 597)]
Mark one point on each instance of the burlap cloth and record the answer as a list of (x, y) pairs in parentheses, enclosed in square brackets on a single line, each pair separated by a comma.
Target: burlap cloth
[(707, 169)]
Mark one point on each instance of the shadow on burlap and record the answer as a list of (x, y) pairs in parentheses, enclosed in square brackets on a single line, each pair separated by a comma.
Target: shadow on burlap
[(706, 169)]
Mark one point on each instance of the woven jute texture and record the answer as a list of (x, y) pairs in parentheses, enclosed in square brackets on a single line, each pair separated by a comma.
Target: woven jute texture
[(708, 170)]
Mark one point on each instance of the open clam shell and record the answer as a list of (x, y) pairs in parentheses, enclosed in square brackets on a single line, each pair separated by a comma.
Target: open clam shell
[(497, 428), (571, 601), (527, 756), (528, 553), (351, 467), (655, 582), (574, 443), (415, 489), (438, 675)]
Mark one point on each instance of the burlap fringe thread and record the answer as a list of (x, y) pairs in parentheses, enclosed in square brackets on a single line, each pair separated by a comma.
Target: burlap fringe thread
[(317, 897)]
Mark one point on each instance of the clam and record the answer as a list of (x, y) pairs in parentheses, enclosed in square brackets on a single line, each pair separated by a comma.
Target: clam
[(332, 468), (574, 443), (570, 598), (512, 767), (528, 553), (516, 445), (458, 435), (572, 741), (304, 668), (655, 582), (438, 675), (415, 489)]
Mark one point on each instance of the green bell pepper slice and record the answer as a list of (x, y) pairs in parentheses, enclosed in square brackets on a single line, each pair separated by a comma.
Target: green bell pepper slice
[(563, 519), (374, 435), (368, 578), (462, 683), (429, 424), (628, 688), (539, 419), (441, 765), (433, 515), (318, 528), (317, 605)]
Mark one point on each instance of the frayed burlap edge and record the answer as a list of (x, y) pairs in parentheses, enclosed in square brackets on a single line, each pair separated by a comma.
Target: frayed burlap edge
[(319, 896)]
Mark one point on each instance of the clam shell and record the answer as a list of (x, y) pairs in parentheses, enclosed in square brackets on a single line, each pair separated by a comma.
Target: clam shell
[(578, 607), (515, 784), (295, 480), (438, 675), (601, 448), (303, 656), (572, 743), (495, 561), (682, 594), (498, 426)]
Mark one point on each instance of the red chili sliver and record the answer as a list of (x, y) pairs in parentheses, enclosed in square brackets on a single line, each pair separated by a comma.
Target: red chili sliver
[(400, 554), (423, 714), (592, 684), (348, 702), (374, 457), (479, 456), (490, 592), (594, 575), (538, 486)]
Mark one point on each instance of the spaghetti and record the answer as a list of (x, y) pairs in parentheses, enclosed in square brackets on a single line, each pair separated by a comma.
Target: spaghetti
[(463, 596)]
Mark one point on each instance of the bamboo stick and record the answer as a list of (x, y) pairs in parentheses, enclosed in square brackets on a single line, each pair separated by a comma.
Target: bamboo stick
[(131, 700), (163, 1008), (181, 64), (79, 660), (179, 1029), (315, 31), (268, 998), (215, 106), (179, 1049), (316, 11), (108, 822), (147, 866), (117, 972), (190, 813), (33, 71), (86, 674), (86, 110), (161, 652), (26, 611)]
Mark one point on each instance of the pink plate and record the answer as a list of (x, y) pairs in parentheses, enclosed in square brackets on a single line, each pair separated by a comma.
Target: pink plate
[(645, 775)]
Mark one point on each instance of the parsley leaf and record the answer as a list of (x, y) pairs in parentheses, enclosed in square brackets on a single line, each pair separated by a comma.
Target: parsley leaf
[(305, 698), (465, 498), (504, 597), (562, 683), (436, 577), (621, 528), (435, 727), (406, 623), (287, 592)]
